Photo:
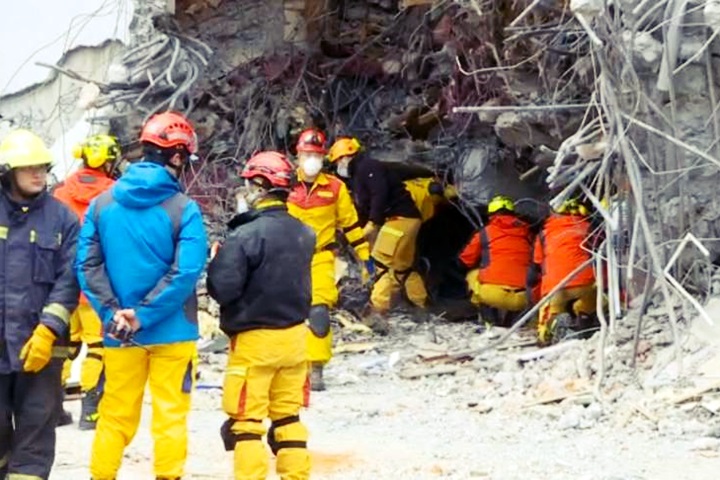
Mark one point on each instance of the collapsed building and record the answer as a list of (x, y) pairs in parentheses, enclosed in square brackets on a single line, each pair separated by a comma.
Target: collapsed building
[(536, 100)]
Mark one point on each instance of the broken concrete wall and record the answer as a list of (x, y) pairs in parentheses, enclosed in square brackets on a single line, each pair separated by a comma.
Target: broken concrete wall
[(51, 108)]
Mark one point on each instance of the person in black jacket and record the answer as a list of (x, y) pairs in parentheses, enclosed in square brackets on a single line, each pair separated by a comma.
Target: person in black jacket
[(39, 288), (391, 222), (261, 279)]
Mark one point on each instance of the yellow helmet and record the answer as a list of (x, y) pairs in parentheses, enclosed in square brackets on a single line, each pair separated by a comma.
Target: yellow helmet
[(501, 202), (572, 206), (22, 148), (97, 150), (343, 147)]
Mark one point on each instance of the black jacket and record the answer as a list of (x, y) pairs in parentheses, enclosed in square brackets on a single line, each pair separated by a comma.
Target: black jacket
[(38, 243), (261, 275), (379, 192)]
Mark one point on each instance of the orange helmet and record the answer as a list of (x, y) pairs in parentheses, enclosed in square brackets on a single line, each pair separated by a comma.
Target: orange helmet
[(170, 129), (343, 147), (311, 140), (272, 166)]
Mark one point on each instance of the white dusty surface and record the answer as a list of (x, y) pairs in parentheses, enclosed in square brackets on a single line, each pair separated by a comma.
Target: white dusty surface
[(371, 424)]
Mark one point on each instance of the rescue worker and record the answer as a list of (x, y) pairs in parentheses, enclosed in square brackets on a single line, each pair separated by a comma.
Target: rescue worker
[(39, 236), (141, 251), (99, 155), (322, 202), (563, 244), (261, 279), (391, 224), (499, 257)]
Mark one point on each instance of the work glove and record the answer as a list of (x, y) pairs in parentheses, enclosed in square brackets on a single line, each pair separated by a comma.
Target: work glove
[(371, 232), (37, 352)]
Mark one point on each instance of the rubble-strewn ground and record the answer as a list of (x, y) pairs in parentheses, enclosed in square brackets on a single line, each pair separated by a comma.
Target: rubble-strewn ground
[(493, 418)]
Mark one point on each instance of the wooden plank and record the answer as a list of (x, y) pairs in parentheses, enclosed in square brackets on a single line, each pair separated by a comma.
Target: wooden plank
[(695, 394), (413, 373), (354, 347), (555, 398)]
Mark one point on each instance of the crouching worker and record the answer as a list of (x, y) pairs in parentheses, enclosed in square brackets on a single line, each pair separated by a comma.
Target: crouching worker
[(499, 257), (38, 236), (261, 279), (563, 245)]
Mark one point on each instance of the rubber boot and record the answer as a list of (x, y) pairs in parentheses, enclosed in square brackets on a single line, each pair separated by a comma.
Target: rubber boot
[(89, 412), (65, 418), (377, 322), (317, 383)]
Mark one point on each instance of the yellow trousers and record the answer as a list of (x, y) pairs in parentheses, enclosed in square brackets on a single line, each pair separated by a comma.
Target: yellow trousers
[(324, 292), (501, 297), (267, 377), (170, 371), (395, 249), (582, 299), (85, 327)]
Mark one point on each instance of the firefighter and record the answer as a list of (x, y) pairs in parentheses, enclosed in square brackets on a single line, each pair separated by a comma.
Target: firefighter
[(99, 155), (141, 251), (499, 257), (39, 236), (322, 202), (563, 244), (391, 224), (261, 279)]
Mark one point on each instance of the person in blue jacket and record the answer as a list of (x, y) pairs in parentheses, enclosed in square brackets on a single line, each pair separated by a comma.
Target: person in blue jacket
[(141, 250), (39, 290)]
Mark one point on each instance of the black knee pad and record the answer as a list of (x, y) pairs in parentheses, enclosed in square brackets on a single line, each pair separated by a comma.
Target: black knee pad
[(230, 438), (319, 320), (276, 446)]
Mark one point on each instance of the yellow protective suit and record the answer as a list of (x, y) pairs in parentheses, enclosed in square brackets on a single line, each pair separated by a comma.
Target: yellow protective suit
[(395, 247), (267, 377), (497, 296), (85, 327), (170, 371), (394, 253), (583, 301), (326, 206)]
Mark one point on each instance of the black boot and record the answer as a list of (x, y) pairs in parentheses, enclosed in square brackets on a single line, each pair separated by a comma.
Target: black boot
[(317, 383), (65, 418), (89, 412)]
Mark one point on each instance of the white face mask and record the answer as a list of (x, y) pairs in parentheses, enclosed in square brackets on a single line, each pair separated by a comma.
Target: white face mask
[(241, 204), (343, 168), (311, 165), (246, 198)]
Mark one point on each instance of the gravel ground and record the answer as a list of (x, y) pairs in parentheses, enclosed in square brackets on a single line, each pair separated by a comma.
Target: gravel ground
[(371, 424)]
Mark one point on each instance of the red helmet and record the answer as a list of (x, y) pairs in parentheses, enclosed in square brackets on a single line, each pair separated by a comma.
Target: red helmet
[(311, 140), (170, 129), (272, 166)]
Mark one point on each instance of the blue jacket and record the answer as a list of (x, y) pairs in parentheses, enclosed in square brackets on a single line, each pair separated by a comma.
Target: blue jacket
[(37, 248), (143, 246)]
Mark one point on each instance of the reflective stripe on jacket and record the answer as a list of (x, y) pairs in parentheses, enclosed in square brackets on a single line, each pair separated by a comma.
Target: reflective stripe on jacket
[(36, 276), (326, 206)]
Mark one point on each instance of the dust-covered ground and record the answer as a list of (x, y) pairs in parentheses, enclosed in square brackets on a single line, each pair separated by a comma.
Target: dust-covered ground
[(480, 422)]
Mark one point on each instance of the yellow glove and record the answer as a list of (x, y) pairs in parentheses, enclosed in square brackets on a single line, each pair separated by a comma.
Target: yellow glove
[(38, 350), (371, 232), (450, 192)]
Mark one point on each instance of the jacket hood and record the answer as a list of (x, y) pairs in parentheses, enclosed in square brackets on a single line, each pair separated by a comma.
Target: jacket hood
[(144, 185), (508, 222), (564, 221), (86, 184)]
